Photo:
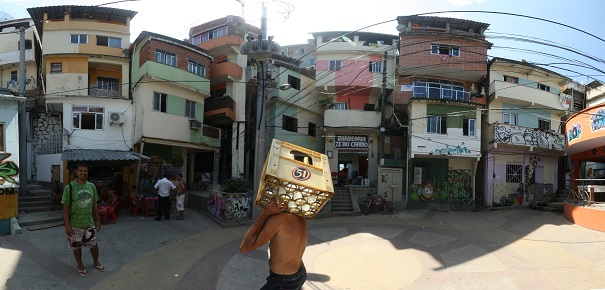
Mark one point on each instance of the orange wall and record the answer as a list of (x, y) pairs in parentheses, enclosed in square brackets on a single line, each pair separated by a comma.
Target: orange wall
[(585, 216), (74, 65)]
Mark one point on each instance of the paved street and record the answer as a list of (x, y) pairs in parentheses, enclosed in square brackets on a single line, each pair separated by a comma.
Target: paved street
[(417, 249)]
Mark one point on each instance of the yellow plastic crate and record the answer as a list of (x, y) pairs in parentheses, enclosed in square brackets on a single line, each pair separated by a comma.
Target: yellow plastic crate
[(297, 175)]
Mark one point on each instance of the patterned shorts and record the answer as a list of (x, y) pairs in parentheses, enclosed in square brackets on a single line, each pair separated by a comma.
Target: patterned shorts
[(180, 202), (82, 237)]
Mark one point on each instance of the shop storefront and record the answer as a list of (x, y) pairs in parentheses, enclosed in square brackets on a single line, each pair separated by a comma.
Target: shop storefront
[(353, 159)]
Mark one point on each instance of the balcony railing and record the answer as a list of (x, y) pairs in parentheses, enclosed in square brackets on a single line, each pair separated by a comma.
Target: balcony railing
[(219, 103), (422, 92), (211, 132), (95, 91), (526, 136)]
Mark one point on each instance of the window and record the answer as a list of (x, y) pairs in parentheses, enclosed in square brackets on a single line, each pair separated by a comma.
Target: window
[(375, 66), (159, 102), (311, 61), (88, 118), (468, 127), (312, 129), (2, 138), (56, 68), (543, 87), (196, 68), (508, 118), (190, 109), (108, 84), (440, 89), (109, 41), (445, 49), (78, 38), (294, 82), (165, 58), (510, 79), (335, 65), (289, 123), (514, 173), (28, 44), (217, 32), (436, 124), (14, 76), (340, 106), (543, 124)]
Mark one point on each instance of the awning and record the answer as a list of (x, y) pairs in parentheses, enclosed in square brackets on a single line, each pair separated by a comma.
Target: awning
[(101, 155)]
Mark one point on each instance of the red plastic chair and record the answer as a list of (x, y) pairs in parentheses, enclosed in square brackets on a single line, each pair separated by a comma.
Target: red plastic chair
[(109, 211), (135, 206)]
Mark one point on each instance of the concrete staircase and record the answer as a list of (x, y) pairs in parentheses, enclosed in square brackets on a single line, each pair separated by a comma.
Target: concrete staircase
[(35, 206), (554, 204), (341, 201)]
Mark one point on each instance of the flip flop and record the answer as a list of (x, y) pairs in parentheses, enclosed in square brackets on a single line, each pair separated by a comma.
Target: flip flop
[(100, 268), (82, 273)]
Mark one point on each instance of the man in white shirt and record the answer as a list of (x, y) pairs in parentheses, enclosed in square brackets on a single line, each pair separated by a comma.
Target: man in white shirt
[(163, 187)]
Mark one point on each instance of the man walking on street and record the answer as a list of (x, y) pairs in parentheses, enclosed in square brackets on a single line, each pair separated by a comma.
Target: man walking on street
[(287, 237), (163, 187), (79, 205)]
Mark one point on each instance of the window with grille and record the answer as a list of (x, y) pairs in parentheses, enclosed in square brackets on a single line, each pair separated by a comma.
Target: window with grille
[(196, 68), (436, 124), (88, 117), (468, 127), (340, 106), (514, 173), (376, 66), (543, 124), (190, 109), (56, 68), (510, 79), (165, 58), (109, 84), (294, 82), (335, 65), (289, 123), (159, 102)]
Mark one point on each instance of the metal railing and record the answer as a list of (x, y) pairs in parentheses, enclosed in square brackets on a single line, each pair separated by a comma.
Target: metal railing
[(585, 193), (441, 94), (95, 91)]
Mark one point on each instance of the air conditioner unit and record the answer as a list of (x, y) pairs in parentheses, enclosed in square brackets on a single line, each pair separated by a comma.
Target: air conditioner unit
[(195, 125), (116, 118)]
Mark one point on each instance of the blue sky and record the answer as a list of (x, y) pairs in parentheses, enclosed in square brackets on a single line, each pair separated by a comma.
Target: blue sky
[(173, 19)]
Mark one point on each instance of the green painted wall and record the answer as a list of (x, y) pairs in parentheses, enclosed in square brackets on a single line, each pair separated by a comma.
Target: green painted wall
[(454, 114)]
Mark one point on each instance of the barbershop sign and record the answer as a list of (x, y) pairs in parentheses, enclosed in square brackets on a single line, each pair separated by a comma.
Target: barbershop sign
[(358, 142)]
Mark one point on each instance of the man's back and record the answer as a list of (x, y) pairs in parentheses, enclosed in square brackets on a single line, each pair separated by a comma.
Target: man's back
[(288, 245)]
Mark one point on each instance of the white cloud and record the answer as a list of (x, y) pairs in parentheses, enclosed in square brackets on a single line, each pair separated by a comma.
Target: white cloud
[(465, 2)]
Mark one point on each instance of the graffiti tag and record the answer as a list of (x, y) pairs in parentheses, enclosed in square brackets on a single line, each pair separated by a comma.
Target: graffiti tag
[(8, 169), (575, 132), (597, 120), (458, 150)]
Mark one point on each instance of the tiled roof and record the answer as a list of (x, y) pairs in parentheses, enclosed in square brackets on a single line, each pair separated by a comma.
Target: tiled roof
[(100, 155)]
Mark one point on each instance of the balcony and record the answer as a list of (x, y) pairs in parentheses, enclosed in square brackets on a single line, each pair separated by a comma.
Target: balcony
[(423, 92), (94, 91), (225, 71), (219, 111), (175, 75), (521, 94), (528, 139), (351, 118), (222, 45), (210, 136)]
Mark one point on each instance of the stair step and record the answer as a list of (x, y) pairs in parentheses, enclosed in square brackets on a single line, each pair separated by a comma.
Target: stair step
[(33, 209), (33, 198), (39, 218), (34, 203)]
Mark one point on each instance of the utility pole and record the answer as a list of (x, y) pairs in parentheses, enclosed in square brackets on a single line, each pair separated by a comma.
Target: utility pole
[(22, 116), (383, 93)]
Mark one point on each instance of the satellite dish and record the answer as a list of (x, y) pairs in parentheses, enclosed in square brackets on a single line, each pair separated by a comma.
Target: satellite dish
[(5, 16)]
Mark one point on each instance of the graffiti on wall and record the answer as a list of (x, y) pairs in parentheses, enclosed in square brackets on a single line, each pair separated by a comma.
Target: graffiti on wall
[(525, 136), (230, 206), (459, 182), (575, 132), (597, 120), (8, 170), (453, 150), (433, 189)]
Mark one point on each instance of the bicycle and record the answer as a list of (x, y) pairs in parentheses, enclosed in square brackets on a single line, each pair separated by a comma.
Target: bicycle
[(376, 203), (574, 195), (457, 204)]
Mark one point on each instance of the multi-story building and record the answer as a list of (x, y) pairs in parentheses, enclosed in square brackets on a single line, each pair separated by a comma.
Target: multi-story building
[(169, 86), (300, 52), (349, 83), (10, 55), (521, 132), (85, 64), (227, 108), (442, 64)]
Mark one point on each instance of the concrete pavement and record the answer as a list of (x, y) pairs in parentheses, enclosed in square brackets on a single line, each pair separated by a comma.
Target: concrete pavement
[(516, 248)]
